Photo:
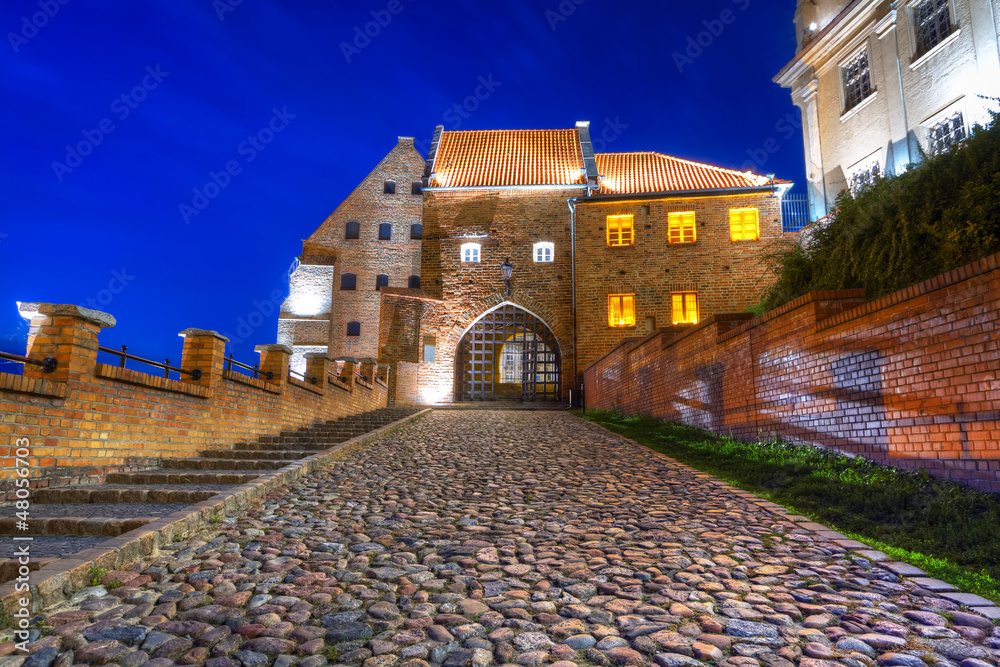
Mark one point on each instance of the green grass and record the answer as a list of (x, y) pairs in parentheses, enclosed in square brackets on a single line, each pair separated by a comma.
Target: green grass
[(949, 530)]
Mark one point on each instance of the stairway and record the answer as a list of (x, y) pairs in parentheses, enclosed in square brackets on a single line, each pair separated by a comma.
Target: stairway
[(67, 520)]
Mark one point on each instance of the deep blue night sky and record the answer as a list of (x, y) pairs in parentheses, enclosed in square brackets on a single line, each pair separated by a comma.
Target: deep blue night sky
[(107, 228)]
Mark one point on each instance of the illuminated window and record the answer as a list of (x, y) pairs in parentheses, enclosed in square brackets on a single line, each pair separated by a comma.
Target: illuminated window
[(621, 310), (543, 251), (680, 227), (685, 307), (857, 80), (743, 224), (619, 230), (470, 252), (946, 133)]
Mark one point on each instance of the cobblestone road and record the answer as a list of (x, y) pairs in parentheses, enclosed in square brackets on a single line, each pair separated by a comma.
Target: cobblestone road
[(510, 537)]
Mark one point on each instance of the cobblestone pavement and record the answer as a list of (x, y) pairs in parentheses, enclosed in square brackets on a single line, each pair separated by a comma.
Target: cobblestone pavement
[(510, 538)]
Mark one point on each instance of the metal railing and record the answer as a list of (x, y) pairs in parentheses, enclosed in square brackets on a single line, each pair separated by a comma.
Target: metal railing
[(302, 376), (48, 364), (795, 213), (123, 355), (257, 373)]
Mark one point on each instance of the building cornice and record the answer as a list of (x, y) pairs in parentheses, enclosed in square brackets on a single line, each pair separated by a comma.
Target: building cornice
[(829, 39)]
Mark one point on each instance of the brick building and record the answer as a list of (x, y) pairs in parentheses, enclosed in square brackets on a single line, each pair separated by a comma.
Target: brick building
[(598, 249)]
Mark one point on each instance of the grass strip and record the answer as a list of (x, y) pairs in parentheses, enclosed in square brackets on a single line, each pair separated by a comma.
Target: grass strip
[(948, 529)]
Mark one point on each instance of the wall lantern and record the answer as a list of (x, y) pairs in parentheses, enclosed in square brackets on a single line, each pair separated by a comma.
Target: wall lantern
[(506, 269)]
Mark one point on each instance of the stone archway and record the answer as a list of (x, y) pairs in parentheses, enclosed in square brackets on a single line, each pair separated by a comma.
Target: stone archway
[(508, 353)]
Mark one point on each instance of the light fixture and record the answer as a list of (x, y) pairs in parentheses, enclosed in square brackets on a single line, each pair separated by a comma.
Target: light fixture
[(506, 269), (813, 26)]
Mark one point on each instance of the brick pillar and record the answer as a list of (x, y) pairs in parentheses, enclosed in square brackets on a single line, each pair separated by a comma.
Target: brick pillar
[(317, 366), (67, 333), (347, 372), (274, 358), (206, 351), (368, 366)]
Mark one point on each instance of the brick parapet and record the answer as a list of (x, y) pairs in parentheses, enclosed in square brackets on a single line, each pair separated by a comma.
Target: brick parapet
[(909, 379)]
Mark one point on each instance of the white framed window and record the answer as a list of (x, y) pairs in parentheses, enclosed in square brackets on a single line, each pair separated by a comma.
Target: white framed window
[(470, 252), (933, 21), (946, 133), (856, 79), (864, 171), (543, 251)]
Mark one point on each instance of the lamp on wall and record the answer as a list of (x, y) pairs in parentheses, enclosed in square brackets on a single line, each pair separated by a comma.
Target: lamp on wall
[(506, 269)]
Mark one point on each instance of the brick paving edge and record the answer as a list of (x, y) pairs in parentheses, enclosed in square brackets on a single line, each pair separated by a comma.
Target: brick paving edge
[(59, 578), (911, 573)]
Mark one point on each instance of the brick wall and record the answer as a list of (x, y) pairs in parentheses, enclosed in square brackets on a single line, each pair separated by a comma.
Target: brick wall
[(366, 257), (506, 223), (911, 379), (727, 275), (89, 418)]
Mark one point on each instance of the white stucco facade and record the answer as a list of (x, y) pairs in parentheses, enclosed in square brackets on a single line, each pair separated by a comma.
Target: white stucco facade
[(880, 81)]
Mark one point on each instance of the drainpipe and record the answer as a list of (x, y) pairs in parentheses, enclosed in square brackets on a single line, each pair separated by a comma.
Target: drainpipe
[(572, 276)]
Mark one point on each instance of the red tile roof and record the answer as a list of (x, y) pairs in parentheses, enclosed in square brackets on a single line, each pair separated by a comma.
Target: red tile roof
[(499, 158), (634, 173)]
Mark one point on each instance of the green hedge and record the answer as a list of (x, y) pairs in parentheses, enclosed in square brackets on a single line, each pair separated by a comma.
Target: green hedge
[(897, 231)]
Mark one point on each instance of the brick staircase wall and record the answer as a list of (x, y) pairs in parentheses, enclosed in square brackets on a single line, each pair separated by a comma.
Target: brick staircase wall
[(911, 379), (87, 419)]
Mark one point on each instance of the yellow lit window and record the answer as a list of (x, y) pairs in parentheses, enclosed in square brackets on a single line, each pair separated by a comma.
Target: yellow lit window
[(619, 230), (681, 227), (743, 224), (685, 307), (621, 310)]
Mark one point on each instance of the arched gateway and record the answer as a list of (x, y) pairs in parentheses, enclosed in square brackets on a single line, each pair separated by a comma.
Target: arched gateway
[(508, 353)]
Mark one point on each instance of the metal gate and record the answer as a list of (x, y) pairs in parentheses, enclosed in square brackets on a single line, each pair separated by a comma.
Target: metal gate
[(521, 340)]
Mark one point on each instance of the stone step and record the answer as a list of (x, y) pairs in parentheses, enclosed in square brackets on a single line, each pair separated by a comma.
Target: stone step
[(186, 477), (221, 464), (286, 455), (94, 510), (281, 447), (87, 527), (124, 493)]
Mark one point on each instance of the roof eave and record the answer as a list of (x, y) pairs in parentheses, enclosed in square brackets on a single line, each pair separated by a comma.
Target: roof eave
[(761, 189), (578, 186)]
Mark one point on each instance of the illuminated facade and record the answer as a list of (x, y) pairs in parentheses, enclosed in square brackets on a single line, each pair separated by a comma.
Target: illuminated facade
[(534, 257), (880, 83)]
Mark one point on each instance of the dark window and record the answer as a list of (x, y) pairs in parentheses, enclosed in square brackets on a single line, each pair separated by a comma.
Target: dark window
[(416, 188), (390, 188), (932, 19), (416, 231), (353, 230), (354, 328), (381, 280), (414, 282), (385, 231), (348, 281)]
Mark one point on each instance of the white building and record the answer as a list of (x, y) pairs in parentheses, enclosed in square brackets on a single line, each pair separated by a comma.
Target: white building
[(879, 81)]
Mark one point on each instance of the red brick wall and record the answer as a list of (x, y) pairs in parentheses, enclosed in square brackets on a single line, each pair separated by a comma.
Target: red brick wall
[(506, 223), (727, 275), (911, 379), (103, 418), (366, 257)]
